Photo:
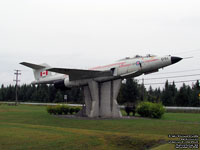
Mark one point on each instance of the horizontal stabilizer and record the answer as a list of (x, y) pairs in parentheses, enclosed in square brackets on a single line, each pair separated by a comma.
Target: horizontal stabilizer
[(33, 66), (78, 74)]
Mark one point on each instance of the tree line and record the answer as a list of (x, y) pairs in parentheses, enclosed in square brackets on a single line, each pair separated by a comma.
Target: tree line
[(130, 93), (39, 93), (170, 95)]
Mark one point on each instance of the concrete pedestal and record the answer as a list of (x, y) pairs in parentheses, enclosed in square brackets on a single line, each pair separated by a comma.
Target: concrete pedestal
[(100, 99)]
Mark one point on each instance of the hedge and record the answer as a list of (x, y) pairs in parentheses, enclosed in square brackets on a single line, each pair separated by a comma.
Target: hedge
[(62, 110)]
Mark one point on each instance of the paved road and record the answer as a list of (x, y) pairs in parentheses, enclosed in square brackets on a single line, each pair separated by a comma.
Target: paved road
[(121, 106)]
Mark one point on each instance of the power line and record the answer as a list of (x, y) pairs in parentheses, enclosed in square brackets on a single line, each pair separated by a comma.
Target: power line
[(17, 73), (177, 71), (171, 82), (171, 77)]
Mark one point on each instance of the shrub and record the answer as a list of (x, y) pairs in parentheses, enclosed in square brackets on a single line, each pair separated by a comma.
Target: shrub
[(65, 109), (51, 110), (157, 110), (58, 109), (148, 109), (77, 109), (71, 110), (143, 109), (62, 109)]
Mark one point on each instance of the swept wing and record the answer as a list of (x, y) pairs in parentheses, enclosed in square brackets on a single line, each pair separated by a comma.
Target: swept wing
[(78, 74)]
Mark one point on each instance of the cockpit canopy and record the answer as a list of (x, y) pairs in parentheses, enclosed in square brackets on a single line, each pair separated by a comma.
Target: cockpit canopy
[(150, 55), (137, 56)]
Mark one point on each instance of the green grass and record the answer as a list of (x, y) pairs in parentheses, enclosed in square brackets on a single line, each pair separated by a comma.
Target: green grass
[(31, 127), (164, 147), (183, 117)]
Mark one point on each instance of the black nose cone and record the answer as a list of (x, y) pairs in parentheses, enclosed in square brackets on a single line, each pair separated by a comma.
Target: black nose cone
[(175, 59)]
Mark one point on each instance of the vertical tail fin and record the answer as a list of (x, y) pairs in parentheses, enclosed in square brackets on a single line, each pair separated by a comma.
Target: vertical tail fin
[(40, 71)]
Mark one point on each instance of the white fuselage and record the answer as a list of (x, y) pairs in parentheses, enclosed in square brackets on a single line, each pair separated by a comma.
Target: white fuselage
[(122, 69), (126, 68)]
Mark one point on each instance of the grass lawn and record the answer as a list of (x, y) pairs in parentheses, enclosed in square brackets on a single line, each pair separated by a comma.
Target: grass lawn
[(26, 127)]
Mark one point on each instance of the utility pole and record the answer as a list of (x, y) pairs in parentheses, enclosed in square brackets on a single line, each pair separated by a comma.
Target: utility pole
[(17, 73), (142, 88)]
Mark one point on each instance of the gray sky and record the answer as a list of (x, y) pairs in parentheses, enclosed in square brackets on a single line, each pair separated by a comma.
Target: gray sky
[(82, 34)]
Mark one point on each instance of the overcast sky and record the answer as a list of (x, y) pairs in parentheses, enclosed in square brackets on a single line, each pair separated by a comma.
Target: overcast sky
[(88, 33)]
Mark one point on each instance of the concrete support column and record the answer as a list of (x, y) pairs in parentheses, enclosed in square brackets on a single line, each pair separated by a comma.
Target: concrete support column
[(100, 99), (105, 99), (88, 100), (94, 93), (115, 107)]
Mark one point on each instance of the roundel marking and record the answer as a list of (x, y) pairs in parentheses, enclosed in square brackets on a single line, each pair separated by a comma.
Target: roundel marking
[(137, 63)]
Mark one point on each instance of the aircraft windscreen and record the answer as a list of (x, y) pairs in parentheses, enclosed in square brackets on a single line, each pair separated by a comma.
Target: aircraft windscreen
[(137, 56), (150, 55)]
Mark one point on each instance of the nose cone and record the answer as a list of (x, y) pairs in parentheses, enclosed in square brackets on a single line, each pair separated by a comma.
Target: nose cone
[(175, 59)]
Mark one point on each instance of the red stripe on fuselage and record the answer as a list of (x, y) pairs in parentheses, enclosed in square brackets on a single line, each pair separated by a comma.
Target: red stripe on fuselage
[(124, 65), (101, 67), (151, 60), (121, 64)]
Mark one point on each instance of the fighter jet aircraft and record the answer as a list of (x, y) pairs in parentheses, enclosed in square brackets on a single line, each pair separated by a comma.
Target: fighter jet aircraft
[(128, 67)]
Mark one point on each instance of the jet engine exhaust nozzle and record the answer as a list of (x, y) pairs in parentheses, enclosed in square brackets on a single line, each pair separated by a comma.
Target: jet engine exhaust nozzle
[(175, 59)]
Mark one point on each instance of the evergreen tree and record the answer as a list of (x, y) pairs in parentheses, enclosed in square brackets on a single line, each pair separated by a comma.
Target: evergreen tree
[(168, 94), (195, 98), (42, 93), (58, 97), (150, 96), (120, 97), (2, 93), (157, 94), (182, 97), (51, 93), (172, 92), (130, 91), (22, 93), (10, 93), (142, 92)]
